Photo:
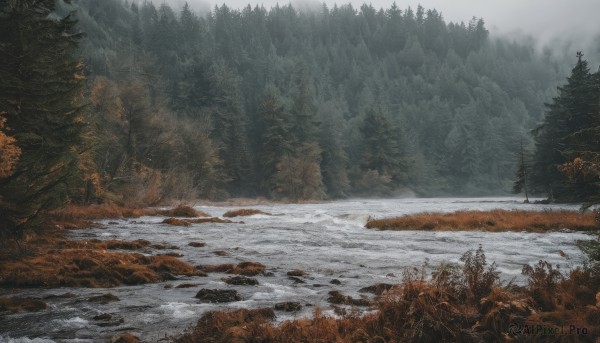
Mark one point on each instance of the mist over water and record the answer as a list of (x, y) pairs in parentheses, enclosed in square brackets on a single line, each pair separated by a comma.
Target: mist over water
[(326, 240)]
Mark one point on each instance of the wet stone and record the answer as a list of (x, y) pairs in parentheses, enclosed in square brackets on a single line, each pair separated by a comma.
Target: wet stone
[(296, 279), (218, 295), (241, 281), (103, 316), (296, 272), (104, 298)]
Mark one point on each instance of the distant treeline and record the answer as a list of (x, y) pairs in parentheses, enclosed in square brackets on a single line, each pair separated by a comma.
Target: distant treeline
[(132, 103)]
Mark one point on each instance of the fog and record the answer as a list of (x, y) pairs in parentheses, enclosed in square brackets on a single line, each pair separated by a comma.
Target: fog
[(568, 25)]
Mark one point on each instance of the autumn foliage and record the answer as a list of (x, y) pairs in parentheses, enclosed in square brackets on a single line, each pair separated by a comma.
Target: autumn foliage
[(452, 304), (9, 152), (64, 263), (494, 221)]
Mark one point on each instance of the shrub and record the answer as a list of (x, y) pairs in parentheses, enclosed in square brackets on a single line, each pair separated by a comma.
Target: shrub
[(542, 283), (479, 281)]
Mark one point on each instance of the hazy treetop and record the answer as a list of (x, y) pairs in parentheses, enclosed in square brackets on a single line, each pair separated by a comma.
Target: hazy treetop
[(545, 20)]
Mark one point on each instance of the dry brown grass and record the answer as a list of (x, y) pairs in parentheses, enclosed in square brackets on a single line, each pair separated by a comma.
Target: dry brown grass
[(248, 269), (242, 268), (103, 211), (64, 263), (448, 306), (210, 220), (243, 212), (176, 222), (494, 221), (183, 211)]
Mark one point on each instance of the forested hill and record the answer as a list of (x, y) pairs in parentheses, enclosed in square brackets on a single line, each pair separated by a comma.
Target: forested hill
[(291, 104)]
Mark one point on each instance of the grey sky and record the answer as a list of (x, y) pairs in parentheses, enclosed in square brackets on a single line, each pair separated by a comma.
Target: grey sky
[(544, 19)]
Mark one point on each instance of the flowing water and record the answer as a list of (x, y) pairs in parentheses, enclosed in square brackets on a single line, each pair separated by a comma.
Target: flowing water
[(326, 240)]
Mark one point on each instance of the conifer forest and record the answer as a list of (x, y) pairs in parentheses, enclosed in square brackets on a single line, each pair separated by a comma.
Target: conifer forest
[(120, 108)]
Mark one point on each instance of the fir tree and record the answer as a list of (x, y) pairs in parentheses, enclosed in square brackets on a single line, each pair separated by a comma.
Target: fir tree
[(573, 110), (521, 182), (40, 92)]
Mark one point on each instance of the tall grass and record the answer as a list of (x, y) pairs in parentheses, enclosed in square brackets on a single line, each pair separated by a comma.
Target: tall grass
[(495, 221), (453, 304)]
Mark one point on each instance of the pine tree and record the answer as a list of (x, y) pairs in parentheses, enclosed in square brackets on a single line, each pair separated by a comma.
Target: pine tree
[(381, 158), (521, 181), (573, 110), (40, 93), (275, 139)]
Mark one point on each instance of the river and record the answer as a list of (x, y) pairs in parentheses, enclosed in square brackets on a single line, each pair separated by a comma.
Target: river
[(326, 240)]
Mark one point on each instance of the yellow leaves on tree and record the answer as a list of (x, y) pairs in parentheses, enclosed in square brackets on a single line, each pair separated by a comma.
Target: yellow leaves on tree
[(582, 169), (9, 152)]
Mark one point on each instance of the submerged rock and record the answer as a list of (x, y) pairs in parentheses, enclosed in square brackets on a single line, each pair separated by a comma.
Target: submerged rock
[(241, 281), (296, 272), (218, 295), (104, 298), (289, 306), (296, 279), (18, 304), (377, 288), (103, 316), (338, 298)]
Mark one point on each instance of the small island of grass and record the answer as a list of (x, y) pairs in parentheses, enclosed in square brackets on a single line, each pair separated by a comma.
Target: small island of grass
[(492, 221)]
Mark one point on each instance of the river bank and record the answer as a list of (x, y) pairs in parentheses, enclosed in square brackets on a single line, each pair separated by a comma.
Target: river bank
[(327, 241)]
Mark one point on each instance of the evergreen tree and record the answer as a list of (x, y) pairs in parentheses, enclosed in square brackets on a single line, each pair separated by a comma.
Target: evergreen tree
[(381, 152), (573, 110), (275, 139), (40, 93), (521, 177)]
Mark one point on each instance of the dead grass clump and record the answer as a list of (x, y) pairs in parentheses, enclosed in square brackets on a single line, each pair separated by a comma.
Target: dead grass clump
[(176, 222), (210, 220), (183, 211), (125, 245), (88, 264), (172, 265), (243, 212), (248, 269), (103, 211), (495, 221), (17, 304), (216, 268)]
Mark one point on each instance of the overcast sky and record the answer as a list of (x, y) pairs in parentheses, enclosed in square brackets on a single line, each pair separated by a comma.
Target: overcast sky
[(544, 19)]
